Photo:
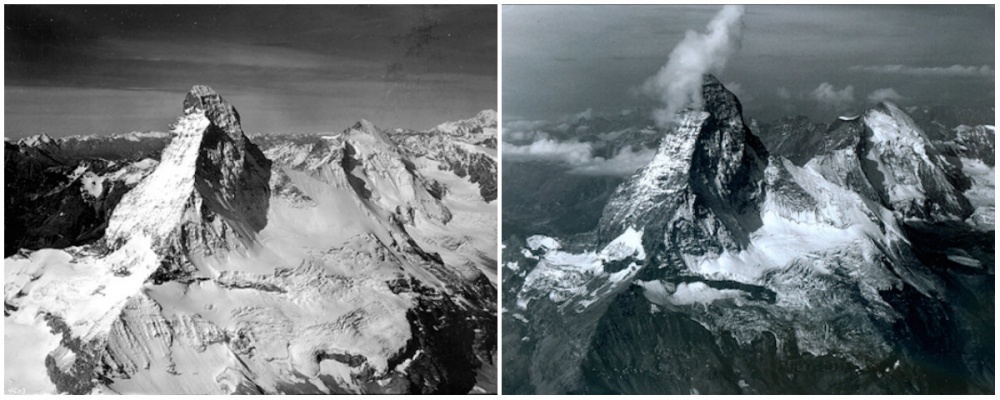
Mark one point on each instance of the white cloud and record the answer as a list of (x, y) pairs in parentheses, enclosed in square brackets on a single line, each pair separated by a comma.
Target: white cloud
[(578, 156), (586, 114), (879, 95), (524, 125), (524, 136), (573, 153), (678, 83), (831, 98), (954, 70), (626, 162)]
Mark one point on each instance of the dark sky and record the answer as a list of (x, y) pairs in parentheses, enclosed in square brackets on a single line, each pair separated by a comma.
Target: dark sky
[(813, 60), (111, 68)]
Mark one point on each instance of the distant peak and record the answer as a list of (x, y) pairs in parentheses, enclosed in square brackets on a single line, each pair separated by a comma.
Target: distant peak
[(487, 116), (40, 139), (366, 126)]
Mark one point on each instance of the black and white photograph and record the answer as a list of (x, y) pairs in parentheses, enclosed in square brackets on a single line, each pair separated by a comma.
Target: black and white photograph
[(760, 199), (335, 235)]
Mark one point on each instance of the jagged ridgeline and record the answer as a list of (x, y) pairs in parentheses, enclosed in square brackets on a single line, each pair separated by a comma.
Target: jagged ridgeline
[(853, 257), (204, 261)]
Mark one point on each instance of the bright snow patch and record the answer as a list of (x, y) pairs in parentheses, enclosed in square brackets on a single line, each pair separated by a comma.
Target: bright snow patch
[(561, 276), (538, 241), (626, 245)]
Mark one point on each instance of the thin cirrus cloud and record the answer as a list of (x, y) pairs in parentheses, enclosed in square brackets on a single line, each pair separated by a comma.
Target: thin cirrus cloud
[(956, 70)]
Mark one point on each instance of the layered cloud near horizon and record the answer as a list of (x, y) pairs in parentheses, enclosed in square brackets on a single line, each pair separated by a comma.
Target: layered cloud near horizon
[(554, 142)]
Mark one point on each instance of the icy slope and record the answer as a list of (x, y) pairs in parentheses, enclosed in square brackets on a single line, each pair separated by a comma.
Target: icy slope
[(913, 180)]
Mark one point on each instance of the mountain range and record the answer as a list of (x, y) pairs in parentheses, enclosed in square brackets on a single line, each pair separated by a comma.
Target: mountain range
[(208, 261), (784, 258)]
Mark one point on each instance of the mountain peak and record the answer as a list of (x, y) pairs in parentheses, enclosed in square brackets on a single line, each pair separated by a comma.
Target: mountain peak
[(38, 140), (367, 127), (472, 126), (487, 117), (708, 162), (219, 111), (210, 190)]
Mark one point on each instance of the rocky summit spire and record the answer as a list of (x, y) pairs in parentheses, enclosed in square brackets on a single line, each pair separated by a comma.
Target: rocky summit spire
[(221, 113), (210, 190), (708, 163)]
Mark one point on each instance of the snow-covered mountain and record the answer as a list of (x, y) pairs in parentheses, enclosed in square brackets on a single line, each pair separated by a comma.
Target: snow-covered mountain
[(468, 148), (472, 127), (721, 268), (311, 265)]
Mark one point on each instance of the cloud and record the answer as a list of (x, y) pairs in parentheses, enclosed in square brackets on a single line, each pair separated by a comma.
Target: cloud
[(523, 136), (524, 130), (573, 153), (678, 83), (784, 94), (737, 89), (578, 156), (952, 71), (586, 114), (830, 98), (626, 162), (879, 95)]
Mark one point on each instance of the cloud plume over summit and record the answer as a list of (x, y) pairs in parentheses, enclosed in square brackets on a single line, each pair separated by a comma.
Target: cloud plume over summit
[(678, 83)]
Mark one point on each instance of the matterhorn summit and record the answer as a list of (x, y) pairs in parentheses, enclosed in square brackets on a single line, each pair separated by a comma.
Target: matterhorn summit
[(211, 188), (708, 163)]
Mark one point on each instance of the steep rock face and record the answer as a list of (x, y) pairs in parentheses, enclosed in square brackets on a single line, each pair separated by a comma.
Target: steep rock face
[(910, 173), (704, 185), (211, 189), (795, 138), (977, 142)]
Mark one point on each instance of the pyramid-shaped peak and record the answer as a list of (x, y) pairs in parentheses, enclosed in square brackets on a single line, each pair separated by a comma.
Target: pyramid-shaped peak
[(217, 109), (366, 126), (209, 159)]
